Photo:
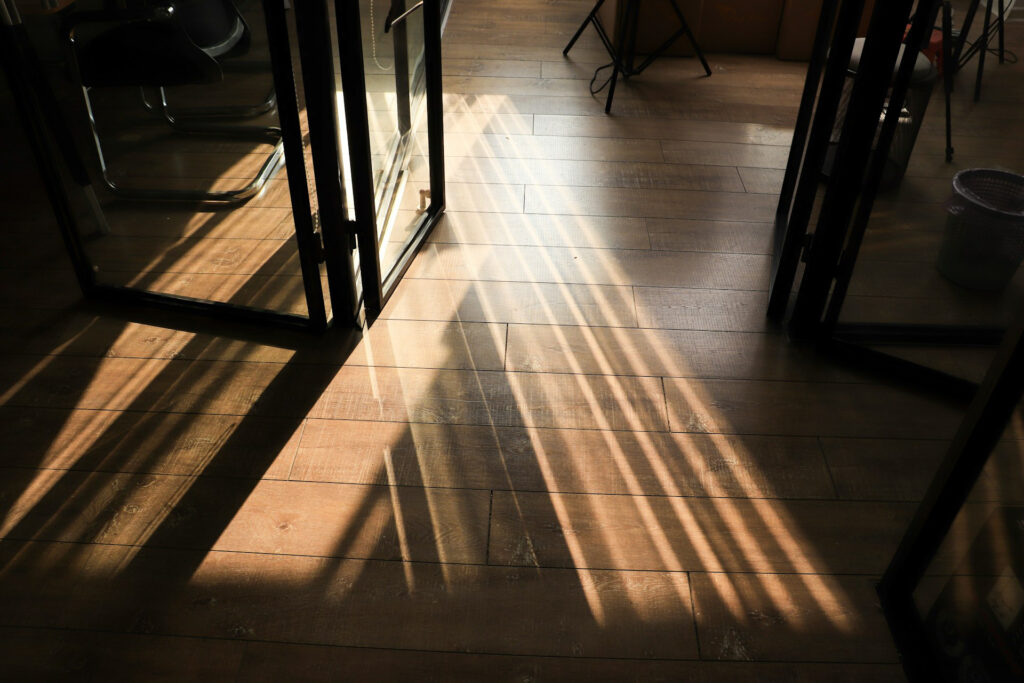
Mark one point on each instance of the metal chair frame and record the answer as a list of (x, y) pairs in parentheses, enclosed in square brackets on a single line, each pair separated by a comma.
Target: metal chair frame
[(189, 125)]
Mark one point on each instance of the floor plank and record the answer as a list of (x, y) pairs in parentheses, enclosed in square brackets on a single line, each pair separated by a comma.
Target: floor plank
[(665, 353), (574, 461), (749, 617), (548, 231), (512, 302), (591, 266), (691, 204), (271, 662), (332, 602), (701, 309), (694, 534), (715, 236), (798, 408), (58, 654), (279, 517)]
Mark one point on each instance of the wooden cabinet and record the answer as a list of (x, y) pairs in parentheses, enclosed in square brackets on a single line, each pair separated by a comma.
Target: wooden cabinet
[(784, 28)]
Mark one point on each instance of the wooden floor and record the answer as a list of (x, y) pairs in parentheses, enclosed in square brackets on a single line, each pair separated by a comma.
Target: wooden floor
[(571, 449)]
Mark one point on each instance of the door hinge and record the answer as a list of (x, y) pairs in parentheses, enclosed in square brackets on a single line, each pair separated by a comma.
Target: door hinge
[(318, 247), (805, 253)]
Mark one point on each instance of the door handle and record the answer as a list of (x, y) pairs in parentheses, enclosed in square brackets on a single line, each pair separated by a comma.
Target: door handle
[(390, 21)]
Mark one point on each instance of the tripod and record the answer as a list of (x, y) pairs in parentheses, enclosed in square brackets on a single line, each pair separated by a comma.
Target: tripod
[(980, 47), (624, 54)]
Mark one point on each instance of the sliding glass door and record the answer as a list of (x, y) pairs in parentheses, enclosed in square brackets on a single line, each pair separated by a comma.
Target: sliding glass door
[(390, 104), (289, 179)]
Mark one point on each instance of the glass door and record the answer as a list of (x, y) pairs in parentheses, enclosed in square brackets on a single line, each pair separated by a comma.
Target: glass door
[(174, 150), (389, 62)]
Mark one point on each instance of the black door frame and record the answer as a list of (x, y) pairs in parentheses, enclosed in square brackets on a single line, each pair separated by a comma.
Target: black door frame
[(58, 160), (377, 288), (831, 253)]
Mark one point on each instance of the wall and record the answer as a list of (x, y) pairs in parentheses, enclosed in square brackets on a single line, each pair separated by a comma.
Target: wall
[(776, 27)]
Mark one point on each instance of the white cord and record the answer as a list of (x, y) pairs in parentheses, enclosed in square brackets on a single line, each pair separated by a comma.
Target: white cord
[(373, 39)]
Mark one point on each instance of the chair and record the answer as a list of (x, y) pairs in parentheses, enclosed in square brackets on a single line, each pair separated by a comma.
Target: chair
[(170, 44), (219, 30)]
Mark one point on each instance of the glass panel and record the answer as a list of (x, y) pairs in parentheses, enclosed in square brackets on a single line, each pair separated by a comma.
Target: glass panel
[(813, 154), (195, 115), (971, 599), (396, 100), (932, 256)]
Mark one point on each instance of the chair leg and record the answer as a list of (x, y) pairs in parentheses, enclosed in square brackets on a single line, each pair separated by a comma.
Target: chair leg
[(273, 163), (241, 111)]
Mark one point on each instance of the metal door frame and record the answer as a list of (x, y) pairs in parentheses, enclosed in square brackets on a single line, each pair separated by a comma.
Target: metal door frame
[(57, 156), (377, 289)]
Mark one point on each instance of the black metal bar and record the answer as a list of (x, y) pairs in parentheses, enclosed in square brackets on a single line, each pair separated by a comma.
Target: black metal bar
[(617, 66), (294, 157), (787, 244), (890, 367), (401, 61), (353, 80), (807, 186), (874, 74), (218, 310), (689, 34), (628, 59), (919, 30), (983, 50), (1001, 19), (948, 69), (986, 419), (435, 149), (314, 41), (15, 56), (896, 333), (576, 36), (435, 102), (972, 10)]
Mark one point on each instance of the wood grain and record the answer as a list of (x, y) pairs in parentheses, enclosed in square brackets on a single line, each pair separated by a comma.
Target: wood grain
[(701, 309), (665, 353), (271, 662), (576, 378), (591, 266), (279, 517), (331, 602), (520, 302), (715, 236), (691, 204), (748, 407), (576, 461), (547, 231), (749, 617), (694, 534)]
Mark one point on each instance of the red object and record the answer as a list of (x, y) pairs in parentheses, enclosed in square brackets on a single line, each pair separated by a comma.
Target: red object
[(933, 51)]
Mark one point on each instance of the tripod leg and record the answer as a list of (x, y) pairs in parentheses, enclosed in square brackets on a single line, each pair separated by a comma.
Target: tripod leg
[(983, 50), (629, 56), (693, 40), (972, 11), (628, 28), (947, 73), (1002, 32), (579, 31)]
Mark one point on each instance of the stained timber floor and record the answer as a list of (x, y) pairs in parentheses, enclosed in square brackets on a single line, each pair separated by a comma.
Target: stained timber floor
[(571, 449)]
